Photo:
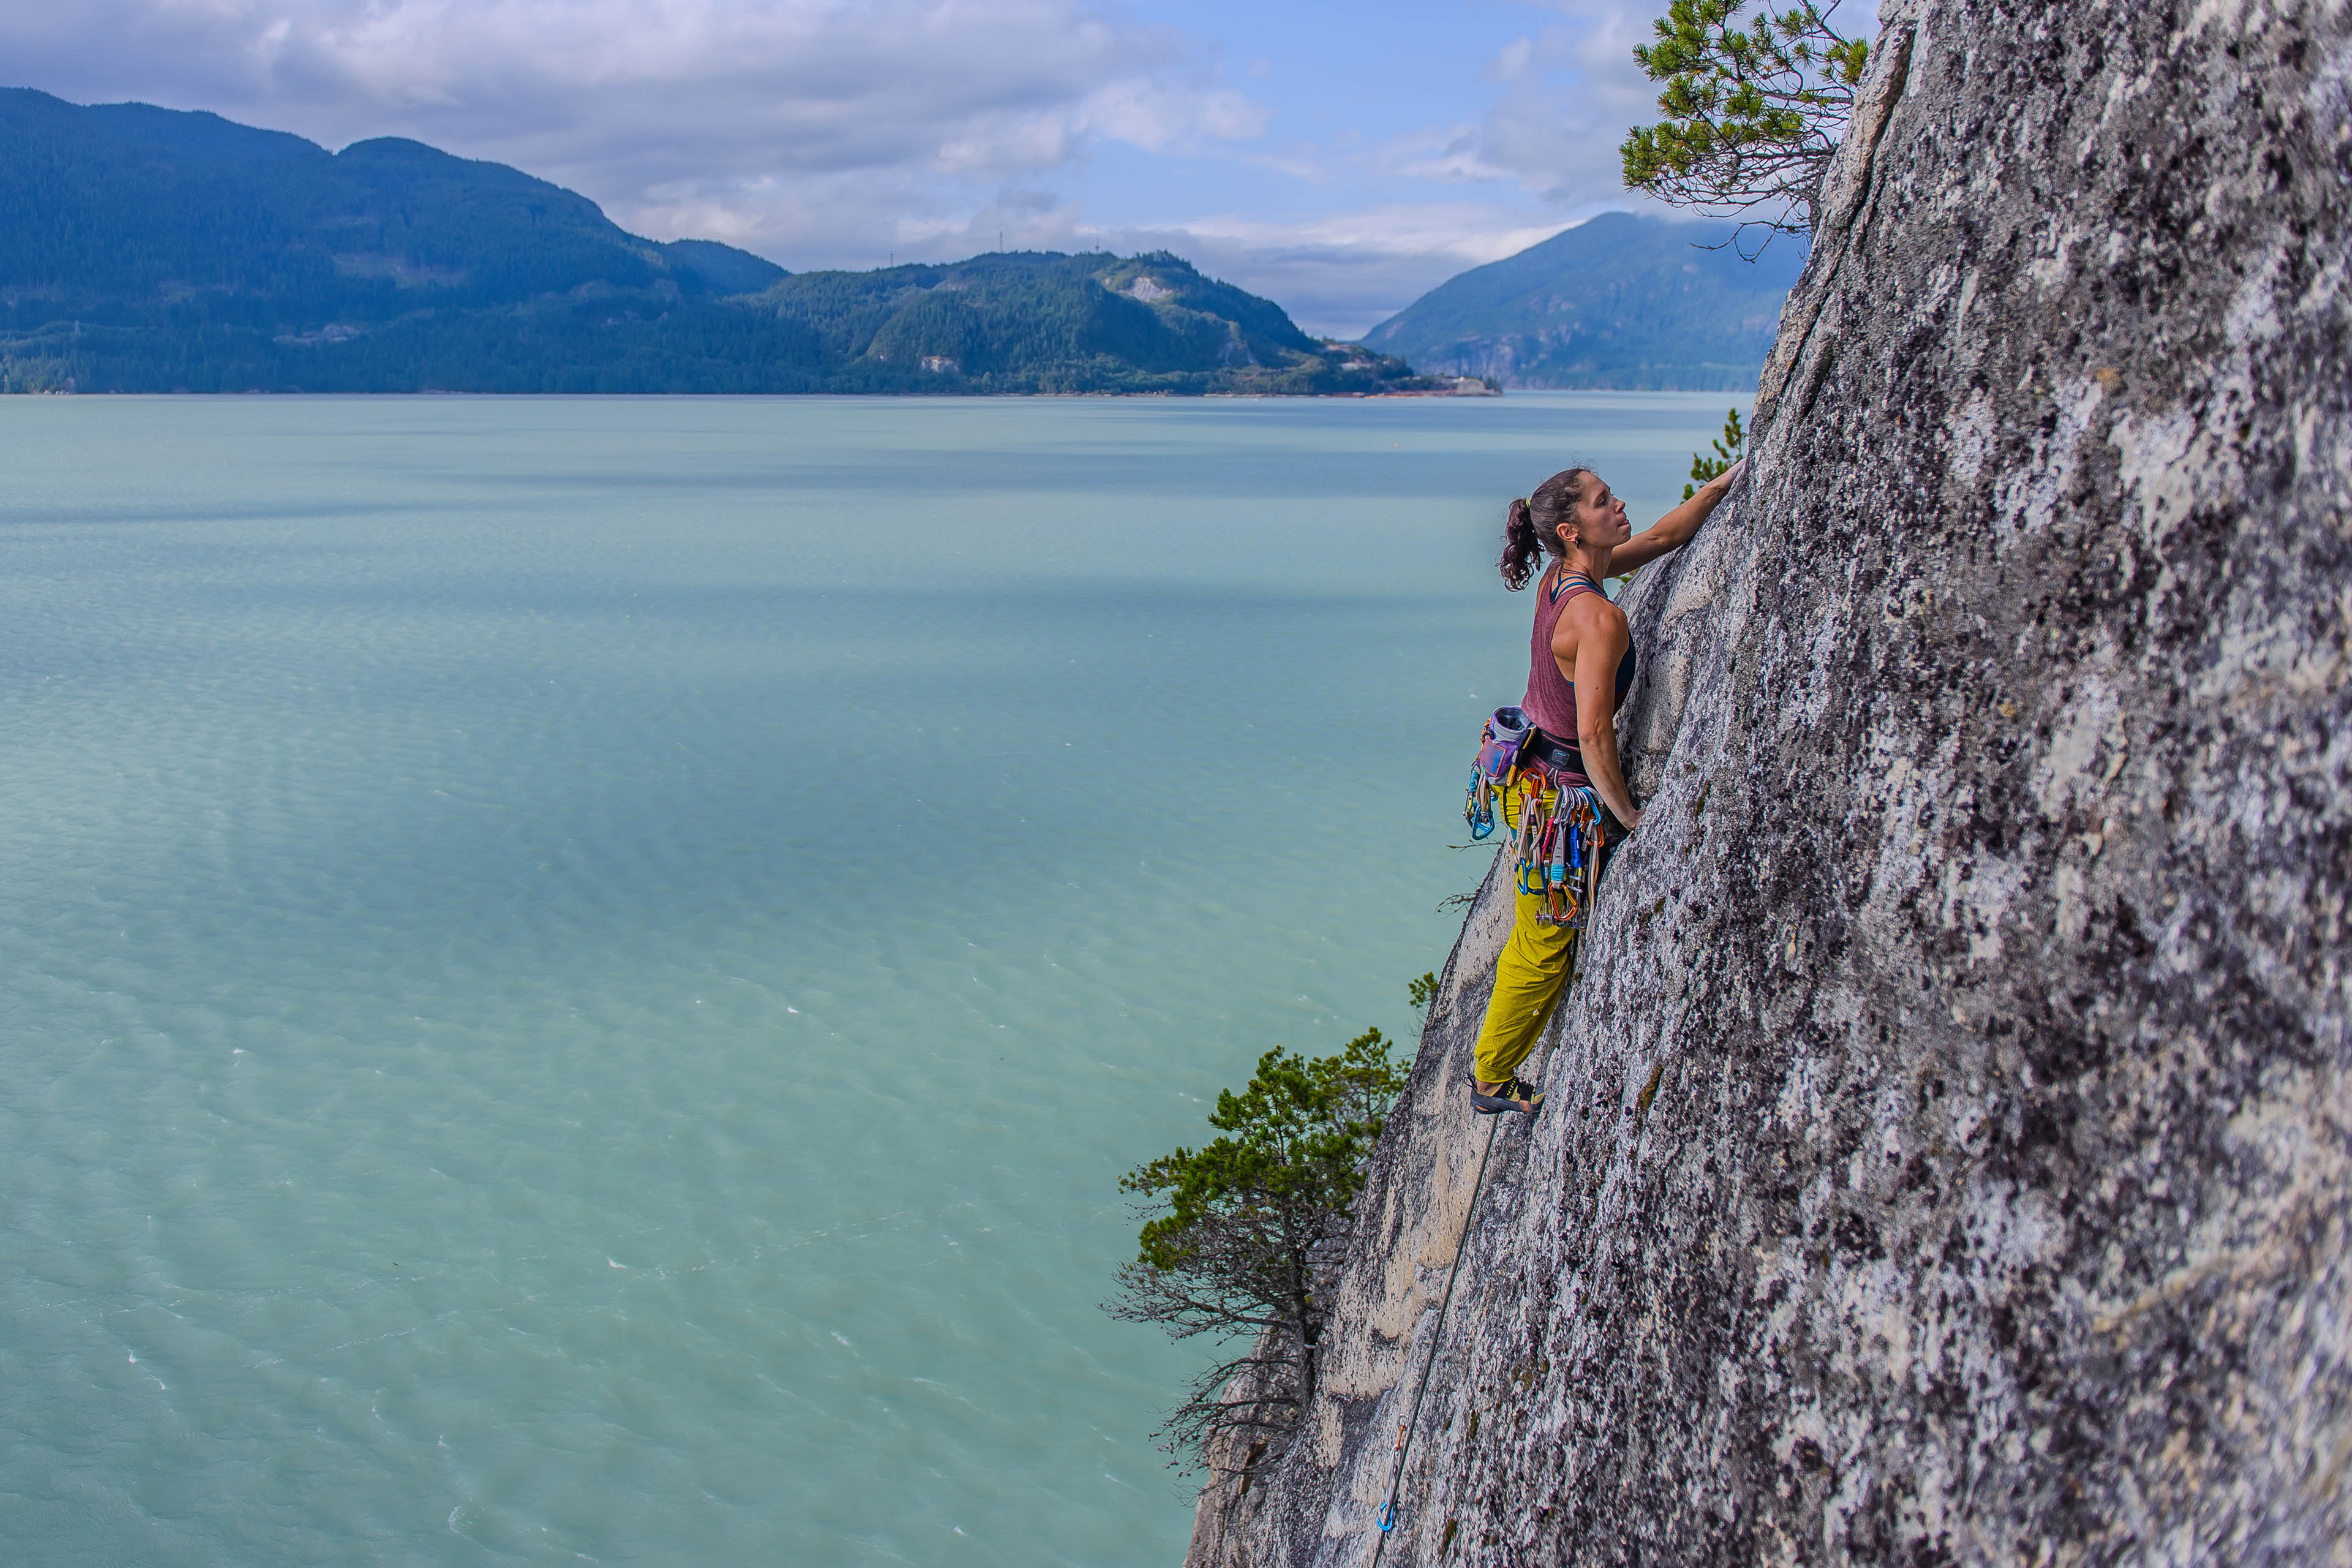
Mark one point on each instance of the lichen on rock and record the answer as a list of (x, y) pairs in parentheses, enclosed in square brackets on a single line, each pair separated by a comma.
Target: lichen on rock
[(1949, 1147)]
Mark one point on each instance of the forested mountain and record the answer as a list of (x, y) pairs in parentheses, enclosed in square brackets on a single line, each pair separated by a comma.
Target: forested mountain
[(149, 250), (1046, 322), (1618, 301)]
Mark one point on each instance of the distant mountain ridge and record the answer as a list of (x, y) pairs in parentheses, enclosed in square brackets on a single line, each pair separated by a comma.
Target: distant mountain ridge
[(112, 202), (152, 249), (1620, 302)]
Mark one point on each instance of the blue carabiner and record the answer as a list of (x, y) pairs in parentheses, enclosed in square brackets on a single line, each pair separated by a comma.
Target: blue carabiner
[(1388, 1517), (1481, 806)]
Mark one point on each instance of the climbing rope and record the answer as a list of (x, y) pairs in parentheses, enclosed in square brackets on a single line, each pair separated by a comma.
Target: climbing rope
[(1437, 1337), (1556, 849)]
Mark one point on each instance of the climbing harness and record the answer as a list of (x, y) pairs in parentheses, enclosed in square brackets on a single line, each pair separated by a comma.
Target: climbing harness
[(1556, 843), (1388, 1515)]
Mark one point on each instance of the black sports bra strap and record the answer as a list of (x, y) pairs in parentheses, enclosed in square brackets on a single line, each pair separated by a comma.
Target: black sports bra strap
[(1562, 581)]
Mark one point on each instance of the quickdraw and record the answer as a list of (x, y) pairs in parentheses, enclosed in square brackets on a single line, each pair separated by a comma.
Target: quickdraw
[(1556, 855), (1478, 805)]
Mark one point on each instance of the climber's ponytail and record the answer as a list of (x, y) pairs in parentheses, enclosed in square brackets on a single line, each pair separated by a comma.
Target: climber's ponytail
[(1532, 526), (1522, 546)]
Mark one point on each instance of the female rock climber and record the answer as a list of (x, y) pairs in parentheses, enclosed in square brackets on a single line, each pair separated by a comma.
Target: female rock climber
[(1579, 666)]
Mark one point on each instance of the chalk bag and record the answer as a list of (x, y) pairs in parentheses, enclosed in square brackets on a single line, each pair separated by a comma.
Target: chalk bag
[(1498, 759)]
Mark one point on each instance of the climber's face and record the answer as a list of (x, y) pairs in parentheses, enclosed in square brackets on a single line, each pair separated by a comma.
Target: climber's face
[(1600, 518)]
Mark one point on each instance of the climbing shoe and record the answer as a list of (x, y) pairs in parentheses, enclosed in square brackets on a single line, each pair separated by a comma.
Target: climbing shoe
[(1517, 1095)]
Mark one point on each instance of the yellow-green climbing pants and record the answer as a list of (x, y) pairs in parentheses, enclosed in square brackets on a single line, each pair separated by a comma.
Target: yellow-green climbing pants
[(1534, 968)]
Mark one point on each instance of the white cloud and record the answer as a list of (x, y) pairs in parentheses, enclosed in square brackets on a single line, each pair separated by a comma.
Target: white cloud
[(744, 113), (1569, 93)]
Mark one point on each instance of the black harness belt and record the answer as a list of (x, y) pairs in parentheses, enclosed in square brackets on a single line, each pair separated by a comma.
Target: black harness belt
[(1547, 749)]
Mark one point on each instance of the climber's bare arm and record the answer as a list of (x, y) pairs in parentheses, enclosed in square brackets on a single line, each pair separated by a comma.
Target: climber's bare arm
[(1673, 530), (1601, 641)]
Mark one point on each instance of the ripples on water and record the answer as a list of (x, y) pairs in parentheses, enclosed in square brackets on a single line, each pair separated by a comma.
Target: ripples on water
[(578, 974)]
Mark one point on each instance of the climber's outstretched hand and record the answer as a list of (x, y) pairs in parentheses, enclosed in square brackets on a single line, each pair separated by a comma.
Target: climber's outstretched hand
[(1674, 530)]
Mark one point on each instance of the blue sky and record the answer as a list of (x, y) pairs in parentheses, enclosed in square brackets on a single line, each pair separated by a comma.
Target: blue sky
[(1342, 158)]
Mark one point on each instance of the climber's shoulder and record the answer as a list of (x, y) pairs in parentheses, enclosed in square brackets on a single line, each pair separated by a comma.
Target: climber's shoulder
[(1590, 623)]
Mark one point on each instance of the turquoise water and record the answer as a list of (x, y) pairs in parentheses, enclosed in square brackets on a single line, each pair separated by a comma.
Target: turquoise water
[(578, 974)]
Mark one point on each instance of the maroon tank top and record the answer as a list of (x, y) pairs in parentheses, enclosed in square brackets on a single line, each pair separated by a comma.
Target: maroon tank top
[(1550, 701)]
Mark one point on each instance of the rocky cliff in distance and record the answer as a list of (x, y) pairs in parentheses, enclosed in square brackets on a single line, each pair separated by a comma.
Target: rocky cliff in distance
[(1949, 1148)]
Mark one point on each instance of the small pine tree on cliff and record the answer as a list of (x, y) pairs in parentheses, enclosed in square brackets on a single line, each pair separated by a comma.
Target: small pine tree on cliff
[(1753, 113), (1728, 447), (1241, 1238)]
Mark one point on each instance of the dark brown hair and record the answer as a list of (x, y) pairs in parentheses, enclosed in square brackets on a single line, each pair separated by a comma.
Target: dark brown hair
[(1532, 525)]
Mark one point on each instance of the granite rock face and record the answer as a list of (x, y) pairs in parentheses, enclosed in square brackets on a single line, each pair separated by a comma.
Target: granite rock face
[(1949, 1150)]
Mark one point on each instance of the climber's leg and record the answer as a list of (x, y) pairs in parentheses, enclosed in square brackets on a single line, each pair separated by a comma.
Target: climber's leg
[(1535, 966), (1529, 975)]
